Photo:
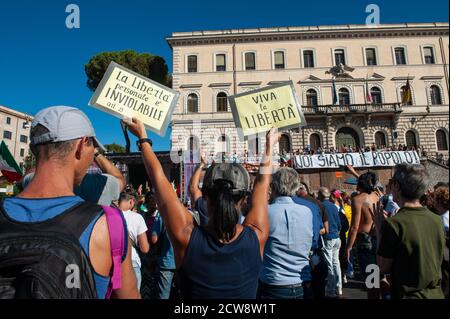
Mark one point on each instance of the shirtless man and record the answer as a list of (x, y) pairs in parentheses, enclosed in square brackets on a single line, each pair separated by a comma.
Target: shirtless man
[(362, 232)]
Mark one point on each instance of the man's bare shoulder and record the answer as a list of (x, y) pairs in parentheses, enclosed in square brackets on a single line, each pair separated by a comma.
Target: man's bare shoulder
[(360, 198), (100, 233), (99, 247)]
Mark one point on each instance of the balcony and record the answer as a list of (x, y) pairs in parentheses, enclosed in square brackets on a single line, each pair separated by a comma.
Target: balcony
[(353, 108)]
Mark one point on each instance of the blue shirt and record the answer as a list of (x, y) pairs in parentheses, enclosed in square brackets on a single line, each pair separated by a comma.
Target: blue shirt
[(317, 220), (334, 220), (213, 270), (166, 258), (39, 210), (286, 254)]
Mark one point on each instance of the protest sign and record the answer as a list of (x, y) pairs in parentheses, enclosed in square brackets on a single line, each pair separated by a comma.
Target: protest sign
[(259, 110), (367, 159), (125, 94)]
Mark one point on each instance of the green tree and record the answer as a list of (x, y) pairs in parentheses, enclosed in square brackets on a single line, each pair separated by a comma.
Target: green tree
[(115, 148), (151, 66), (29, 162)]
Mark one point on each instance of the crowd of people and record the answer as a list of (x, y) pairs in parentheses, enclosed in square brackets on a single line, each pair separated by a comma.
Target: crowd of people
[(267, 237), (247, 157)]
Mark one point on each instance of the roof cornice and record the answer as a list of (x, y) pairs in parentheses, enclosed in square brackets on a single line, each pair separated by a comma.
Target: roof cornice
[(307, 33)]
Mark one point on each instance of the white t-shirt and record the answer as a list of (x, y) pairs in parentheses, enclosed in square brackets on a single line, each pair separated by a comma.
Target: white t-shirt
[(136, 226)]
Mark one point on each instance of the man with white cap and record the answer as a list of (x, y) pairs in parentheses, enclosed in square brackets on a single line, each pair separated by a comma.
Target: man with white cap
[(63, 142), (101, 188)]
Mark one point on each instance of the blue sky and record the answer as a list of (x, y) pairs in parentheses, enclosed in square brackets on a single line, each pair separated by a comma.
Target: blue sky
[(42, 62)]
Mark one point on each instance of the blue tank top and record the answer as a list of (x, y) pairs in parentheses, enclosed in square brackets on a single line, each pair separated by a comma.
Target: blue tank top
[(38, 210), (212, 270)]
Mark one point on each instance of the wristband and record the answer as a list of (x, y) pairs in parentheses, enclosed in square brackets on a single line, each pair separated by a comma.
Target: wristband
[(143, 140)]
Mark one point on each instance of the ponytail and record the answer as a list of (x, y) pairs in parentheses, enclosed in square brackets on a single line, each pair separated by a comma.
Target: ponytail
[(225, 216)]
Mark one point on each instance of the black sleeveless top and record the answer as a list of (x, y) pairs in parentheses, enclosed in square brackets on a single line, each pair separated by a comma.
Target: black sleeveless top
[(212, 270)]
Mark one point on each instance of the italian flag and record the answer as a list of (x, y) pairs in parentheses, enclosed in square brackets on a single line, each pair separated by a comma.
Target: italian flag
[(8, 165)]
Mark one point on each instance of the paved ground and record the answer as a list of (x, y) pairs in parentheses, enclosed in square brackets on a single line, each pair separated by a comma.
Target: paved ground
[(354, 289)]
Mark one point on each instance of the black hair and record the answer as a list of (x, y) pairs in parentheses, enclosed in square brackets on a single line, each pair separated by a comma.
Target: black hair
[(225, 216), (440, 184), (124, 196), (367, 182)]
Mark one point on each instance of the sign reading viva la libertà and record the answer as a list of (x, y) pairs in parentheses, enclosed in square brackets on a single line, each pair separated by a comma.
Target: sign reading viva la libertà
[(366, 159), (124, 93), (259, 110)]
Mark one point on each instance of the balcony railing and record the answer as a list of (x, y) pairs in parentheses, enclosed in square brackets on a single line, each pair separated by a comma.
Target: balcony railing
[(353, 108)]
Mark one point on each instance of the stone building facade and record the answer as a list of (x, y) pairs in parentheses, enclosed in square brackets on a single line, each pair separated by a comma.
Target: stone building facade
[(208, 66), (15, 132)]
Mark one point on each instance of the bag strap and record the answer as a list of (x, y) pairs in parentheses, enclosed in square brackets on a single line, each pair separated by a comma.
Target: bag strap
[(117, 242), (73, 221)]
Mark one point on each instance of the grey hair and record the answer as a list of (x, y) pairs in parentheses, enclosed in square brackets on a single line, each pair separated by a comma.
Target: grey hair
[(412, 179), (324, 192), (285, 182)]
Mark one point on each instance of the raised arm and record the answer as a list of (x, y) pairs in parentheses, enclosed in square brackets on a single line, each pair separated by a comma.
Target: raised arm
[(179, 223), (352, 170), (258, 218), (195, 191), (109, 168)]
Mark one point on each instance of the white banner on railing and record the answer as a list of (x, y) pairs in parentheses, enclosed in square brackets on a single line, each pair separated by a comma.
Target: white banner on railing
[(367, 159)]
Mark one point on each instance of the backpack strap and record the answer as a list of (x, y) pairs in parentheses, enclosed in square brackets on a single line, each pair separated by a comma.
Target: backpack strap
[(117, 241), (73, 221)]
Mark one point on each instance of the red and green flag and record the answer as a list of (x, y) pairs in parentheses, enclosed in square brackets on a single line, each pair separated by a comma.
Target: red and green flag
[(8, 165)]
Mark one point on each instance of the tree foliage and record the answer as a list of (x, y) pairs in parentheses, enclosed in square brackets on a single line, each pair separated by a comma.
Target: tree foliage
[(115, 148), (148, 65)]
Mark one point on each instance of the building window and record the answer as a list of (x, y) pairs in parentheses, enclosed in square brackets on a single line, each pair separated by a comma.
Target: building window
[(344, 96), (250, 61), (285, 144), (193, 144), (441, 140), (22, 152), (278, 57), (7, 135), (308, 59), (435, 95), (253, 146), (411, 140), (380, 139), (223, 144), (192, 63), (400, 56), (221, 62), (23, 139), (371, 56), (221, 100), (192, 103), (428, 55), (403, 90), (314, 141), (8, 120), (376, 95), (311, 97), (339, 56)]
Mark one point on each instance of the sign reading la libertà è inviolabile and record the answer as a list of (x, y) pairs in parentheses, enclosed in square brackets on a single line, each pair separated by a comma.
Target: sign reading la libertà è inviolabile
[(125, 94), (259, 110)]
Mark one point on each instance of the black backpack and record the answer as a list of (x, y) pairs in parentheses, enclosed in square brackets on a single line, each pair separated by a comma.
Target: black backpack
[(44, 260)]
